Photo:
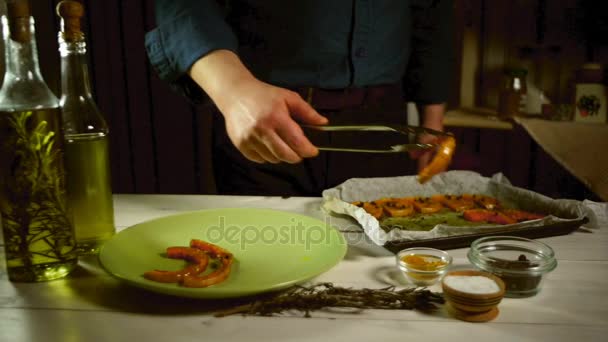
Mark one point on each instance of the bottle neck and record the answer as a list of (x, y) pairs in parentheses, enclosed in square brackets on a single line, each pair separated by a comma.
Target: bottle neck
[(74, 69), (23, 87), (21, 54), (79, 110)]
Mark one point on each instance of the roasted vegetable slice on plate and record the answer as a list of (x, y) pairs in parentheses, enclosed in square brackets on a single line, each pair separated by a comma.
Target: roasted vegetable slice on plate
[(197, 255)]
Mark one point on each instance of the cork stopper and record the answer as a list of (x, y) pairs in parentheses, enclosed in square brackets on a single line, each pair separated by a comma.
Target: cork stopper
[(71, 13), (18, 8), (18, 13)]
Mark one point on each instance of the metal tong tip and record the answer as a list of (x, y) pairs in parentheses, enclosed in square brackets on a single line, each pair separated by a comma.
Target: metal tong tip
[(401, 129)]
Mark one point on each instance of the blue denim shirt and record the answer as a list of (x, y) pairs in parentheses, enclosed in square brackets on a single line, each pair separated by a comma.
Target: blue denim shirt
[(320, 43)]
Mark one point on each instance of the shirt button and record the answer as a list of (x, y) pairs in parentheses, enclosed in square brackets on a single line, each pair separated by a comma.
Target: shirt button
[(361, 52)]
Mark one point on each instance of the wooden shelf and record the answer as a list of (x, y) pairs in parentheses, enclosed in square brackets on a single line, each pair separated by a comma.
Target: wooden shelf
[(475, 118)]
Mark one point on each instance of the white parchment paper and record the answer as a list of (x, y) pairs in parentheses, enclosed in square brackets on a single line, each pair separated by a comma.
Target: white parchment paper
[(337, 200)]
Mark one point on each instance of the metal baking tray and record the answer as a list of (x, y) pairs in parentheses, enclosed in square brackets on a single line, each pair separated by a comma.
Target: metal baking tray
[(465, 240)]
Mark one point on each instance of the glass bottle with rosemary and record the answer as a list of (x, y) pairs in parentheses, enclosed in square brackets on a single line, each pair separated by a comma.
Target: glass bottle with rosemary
[(38, 235), (86, 138)]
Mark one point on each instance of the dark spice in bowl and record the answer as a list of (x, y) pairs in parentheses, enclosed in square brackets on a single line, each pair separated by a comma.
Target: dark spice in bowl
[(520, 263), (518, 283)]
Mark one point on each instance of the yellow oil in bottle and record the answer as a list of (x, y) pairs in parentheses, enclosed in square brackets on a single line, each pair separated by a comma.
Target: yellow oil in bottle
[(38, 236), (89, 190)]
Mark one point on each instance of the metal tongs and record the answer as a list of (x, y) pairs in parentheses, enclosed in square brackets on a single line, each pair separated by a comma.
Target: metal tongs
[(400, 129)]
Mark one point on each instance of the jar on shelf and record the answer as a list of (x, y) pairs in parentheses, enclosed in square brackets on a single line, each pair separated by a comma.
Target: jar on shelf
[(591, 100), (513, 95)]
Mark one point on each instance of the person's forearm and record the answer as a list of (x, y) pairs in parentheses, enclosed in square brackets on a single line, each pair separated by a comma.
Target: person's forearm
[(432, 115), (219, 71)]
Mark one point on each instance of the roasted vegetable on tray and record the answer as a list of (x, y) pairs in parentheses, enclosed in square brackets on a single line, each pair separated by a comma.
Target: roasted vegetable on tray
[(424, 213)]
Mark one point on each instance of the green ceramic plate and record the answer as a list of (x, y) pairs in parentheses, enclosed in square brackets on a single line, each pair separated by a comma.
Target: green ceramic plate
[(273, 249)]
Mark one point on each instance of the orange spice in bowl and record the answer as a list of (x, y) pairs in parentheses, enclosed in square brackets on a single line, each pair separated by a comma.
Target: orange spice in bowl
[(423, 266)]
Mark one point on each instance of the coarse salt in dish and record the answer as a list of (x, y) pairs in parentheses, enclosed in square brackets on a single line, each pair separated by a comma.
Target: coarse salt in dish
[(472, 284), (472, 295)]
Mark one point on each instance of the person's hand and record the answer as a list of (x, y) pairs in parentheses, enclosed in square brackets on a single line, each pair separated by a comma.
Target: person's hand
[(261, 119), (262, 122), (424, 157), (433, 119)]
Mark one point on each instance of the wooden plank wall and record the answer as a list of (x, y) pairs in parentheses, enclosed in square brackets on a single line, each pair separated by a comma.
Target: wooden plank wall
[(161, 144)]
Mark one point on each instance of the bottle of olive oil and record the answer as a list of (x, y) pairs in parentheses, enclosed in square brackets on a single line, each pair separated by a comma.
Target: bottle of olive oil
[(38, 235), (86, 138)]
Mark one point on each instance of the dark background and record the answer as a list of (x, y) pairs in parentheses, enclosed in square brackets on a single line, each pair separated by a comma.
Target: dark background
[(160, 143)]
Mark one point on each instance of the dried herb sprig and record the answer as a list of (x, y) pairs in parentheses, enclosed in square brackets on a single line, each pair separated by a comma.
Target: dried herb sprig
[(326, 295)]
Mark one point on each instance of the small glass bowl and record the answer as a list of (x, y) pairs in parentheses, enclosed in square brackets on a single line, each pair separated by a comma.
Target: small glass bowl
[(521, 263), (420, 274)]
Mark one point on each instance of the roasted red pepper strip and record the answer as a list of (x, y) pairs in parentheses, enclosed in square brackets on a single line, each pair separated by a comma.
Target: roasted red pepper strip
[(198, 259), (212, 278), (213, 250), (520, 215), (485, 215)]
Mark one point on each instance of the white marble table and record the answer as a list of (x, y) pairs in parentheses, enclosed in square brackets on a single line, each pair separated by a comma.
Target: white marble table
[(90, 305)]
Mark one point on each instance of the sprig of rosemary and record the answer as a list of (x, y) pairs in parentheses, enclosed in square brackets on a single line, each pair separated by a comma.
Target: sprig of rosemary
[(326, 295)]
